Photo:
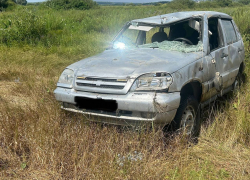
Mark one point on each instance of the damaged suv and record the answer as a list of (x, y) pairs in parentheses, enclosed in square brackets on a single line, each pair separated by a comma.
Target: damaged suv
[(160, 69)]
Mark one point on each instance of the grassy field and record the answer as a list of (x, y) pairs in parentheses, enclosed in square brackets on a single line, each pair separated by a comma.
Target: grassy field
[(40, 141)]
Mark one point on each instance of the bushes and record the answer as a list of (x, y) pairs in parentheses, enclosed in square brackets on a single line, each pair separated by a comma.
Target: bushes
[(71, 4), (6, 3), (224, 3), (183, 3), (44, 27), (27, 27), (10, 4), (245, 2), (21, 2), (192, 4), (3, 3)]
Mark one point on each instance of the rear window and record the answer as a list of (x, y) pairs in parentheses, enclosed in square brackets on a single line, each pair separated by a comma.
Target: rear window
[(229, 31)]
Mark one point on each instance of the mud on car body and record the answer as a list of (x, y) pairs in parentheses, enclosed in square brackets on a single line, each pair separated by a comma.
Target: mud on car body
[(160, 69)]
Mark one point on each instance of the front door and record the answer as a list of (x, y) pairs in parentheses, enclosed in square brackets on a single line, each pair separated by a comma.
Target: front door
[(218, 52)]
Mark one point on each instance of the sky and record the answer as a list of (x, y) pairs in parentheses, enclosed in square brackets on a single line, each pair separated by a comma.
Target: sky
[(134, 1)]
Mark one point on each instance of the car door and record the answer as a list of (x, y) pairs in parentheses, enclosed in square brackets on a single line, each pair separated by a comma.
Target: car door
[(230, 65), (240, 44), (225, 54), (218, 53), (214, 44)]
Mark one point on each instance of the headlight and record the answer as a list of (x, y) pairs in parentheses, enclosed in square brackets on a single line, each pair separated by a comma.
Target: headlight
[(152, 81), (67, 77)]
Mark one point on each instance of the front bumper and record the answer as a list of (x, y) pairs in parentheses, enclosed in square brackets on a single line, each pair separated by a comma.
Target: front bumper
[(132, 108)]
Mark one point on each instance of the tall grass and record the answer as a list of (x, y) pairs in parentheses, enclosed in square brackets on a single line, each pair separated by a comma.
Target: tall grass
[(40, 141)]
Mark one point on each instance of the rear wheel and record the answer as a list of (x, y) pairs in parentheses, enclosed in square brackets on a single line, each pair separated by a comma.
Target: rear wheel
[(239, 80), (187, 118)]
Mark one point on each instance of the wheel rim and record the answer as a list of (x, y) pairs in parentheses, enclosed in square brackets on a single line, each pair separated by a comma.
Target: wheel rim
[(187, 120), (236, 85)]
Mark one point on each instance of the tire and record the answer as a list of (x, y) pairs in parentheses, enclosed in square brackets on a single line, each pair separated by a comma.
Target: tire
[(187, 118), (239, 80)]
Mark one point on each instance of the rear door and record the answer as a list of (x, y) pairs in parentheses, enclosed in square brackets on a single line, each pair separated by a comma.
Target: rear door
[(230, 64)]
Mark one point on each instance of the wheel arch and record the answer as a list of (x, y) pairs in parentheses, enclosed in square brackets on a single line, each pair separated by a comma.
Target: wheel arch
[(193, 88), (242, 67)]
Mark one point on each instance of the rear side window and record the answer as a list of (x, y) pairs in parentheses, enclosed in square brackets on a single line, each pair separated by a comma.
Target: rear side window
[(229, 31)]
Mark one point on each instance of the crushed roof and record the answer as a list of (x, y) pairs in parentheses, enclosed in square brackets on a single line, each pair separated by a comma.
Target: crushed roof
[(172, 17)]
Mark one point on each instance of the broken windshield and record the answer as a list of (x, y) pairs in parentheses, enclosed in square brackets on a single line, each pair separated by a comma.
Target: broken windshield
[(183, 37), (175, 46)]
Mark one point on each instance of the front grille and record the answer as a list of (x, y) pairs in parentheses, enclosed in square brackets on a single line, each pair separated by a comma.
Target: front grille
[(96, 104), (108, 85), (101, 79), (100, 86)]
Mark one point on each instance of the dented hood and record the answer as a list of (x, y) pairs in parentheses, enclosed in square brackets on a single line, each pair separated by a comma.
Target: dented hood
[(133, 62)]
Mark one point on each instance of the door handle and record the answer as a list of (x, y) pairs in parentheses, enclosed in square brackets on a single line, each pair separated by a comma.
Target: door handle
[(224, 55)]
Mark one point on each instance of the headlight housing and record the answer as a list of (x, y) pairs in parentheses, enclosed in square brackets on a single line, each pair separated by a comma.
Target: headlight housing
[(66, 78), (152, 82)]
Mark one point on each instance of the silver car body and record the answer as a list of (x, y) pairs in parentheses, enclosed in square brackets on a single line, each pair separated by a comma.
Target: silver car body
[(109, 76)]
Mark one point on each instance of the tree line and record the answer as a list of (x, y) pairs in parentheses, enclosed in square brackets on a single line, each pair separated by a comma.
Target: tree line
[(7, 3), (88, 4), (56, 4)]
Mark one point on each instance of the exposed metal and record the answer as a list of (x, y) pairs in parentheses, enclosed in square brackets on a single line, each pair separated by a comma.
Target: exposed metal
[(178, 16), (111, 78)]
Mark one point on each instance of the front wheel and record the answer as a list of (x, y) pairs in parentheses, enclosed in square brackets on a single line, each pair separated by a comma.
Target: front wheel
[(187, 118)]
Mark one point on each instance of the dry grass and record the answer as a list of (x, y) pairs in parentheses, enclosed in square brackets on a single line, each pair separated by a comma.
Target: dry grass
[(40, 141)]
